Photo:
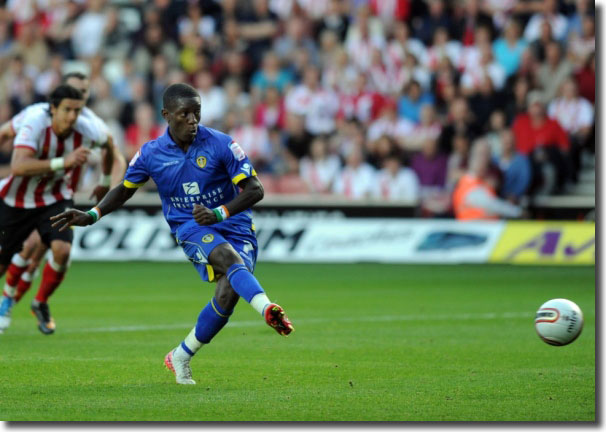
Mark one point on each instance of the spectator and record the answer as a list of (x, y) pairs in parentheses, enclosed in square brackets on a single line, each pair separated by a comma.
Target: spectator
[(438, 18), (515, 168), (153, 44), (474, 198), (554, 71), (460, 121), (457, 161), (509, 48), (30, 46), (551, 15), (389, 124), (363, 36), (356, 179), (270, 112), (254, 140), (142, 130), (257, 29), (402, 44), (576, 115), (443, 48), (410, 105), (295, 38), (213, 98), (497, 125), (428, 128), (544, 140), (430, 165), (270, 74), (318, 105), (585, 78), (396, 182), (89, 31), (334, 20), (320, 169)]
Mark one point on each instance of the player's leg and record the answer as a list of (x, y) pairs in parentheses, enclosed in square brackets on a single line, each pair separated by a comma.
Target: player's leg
[(52, 276), (25, 282), (226, 260), (211, 320), (60, 243), (213, 317), (15, 226)]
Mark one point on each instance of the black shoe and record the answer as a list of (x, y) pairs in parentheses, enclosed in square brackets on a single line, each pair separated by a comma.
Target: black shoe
[(46, 324)]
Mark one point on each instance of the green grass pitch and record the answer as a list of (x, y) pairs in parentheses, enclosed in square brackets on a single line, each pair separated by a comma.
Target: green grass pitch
[(372, 342)]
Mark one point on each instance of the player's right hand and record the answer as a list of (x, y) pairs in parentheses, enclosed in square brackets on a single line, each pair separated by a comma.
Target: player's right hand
[(77, 157), (71, 217)]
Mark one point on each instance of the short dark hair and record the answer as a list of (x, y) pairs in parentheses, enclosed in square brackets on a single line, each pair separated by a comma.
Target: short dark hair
[(64, 91), (177, 91), (78, 75)]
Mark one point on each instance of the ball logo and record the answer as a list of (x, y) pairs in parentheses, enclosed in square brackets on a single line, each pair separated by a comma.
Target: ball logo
[(208, 238), (201, 161)]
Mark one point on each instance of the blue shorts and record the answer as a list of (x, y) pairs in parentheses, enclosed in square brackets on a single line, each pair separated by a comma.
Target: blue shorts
[(199, 241)]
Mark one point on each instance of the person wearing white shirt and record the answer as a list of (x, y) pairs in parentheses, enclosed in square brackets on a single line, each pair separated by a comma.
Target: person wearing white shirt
[(320, 169), (558, 22), (574, 113), (395, 182), (318, 105), (357, 178)]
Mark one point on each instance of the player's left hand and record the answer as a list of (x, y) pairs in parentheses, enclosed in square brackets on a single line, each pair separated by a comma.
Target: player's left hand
[(99, 192), (203, 215)]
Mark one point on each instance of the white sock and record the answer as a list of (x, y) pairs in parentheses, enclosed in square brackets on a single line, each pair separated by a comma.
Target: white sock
[(9, 291), (259, 302), (26, 276), (19, 261), (190, 342)]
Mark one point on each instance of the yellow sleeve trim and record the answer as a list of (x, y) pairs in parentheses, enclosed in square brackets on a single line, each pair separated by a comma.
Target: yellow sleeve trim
[(132, 185), (237, 179)]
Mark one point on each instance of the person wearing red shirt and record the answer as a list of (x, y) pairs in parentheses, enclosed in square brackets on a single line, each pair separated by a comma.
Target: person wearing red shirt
[(546, 142)]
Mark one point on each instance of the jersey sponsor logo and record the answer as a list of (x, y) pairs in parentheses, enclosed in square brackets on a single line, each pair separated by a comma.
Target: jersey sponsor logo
[(135, 157), (246, 168), (175, 162), (201, 161), (237, 151), (208, 238), (191, 188)]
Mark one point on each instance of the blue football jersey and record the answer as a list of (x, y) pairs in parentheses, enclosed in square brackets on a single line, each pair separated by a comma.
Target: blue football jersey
[(206, 174)]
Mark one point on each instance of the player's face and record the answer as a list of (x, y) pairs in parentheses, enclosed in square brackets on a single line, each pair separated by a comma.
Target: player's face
[(80, 84), (65, 115), (183, 119)]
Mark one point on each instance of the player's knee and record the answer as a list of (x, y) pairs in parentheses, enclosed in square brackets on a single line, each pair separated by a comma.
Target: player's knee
[(223, 257), (61, 251)]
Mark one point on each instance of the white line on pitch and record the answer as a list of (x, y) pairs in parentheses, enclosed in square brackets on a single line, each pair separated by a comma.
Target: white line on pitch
[(303, 321)]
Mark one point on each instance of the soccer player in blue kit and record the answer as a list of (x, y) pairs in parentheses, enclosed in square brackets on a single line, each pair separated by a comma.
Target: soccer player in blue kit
[(199, 172)]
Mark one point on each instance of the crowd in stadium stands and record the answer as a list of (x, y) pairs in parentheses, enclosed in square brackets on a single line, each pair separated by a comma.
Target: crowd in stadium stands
[(361, 98)]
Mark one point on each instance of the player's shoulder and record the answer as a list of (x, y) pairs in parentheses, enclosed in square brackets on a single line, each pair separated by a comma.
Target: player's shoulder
[(215, 136), (93, 117), (90, 128), (37, 113)]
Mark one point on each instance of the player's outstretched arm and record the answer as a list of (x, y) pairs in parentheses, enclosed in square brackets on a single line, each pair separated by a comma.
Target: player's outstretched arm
[(252, 193), (114, 199)]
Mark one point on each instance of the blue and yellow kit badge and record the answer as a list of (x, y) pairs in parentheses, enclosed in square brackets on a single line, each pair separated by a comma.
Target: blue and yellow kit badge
[(208, 238), (201, 161)]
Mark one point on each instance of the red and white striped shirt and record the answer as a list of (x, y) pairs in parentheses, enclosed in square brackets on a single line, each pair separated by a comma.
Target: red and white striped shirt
[(35, 133)]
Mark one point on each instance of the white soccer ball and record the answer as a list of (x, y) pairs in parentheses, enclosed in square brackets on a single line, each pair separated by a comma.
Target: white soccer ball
[(559, 322)]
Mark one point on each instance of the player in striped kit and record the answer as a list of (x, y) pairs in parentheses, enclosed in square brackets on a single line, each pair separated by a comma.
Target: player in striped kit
[(50, 148), (25, 264)]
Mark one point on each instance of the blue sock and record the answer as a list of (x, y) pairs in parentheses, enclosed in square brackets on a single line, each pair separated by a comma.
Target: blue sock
[(243, 282), (210, 321)]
